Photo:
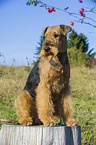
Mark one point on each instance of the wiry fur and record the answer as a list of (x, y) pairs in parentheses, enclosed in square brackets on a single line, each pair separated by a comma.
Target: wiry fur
[(50, 84)]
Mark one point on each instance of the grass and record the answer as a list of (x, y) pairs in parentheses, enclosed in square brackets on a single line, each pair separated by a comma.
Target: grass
[(83, 83), (83, 86)]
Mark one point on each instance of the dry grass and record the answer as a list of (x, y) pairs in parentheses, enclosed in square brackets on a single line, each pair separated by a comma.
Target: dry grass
[(83, 85)]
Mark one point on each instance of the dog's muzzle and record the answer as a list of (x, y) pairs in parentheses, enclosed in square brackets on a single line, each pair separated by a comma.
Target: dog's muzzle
[(47, 49)]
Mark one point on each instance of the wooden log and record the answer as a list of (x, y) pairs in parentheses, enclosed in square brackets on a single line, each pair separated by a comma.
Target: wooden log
[(40, 135)]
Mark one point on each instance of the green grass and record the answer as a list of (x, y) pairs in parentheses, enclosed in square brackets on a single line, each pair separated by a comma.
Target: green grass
[(83, 83), (83, 86)]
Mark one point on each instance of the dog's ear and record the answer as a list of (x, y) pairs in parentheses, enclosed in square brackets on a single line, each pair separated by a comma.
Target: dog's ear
[(65, 29), (44, 31)]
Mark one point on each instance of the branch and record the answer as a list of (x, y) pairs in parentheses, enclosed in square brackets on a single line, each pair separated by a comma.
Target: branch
[(80, 21), (76, 15), (91, 10)]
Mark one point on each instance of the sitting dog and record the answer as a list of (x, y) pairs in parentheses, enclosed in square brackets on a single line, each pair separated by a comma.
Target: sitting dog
[(46, 95)]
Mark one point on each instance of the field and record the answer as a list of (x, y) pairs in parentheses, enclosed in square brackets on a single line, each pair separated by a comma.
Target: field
[(83, 86)]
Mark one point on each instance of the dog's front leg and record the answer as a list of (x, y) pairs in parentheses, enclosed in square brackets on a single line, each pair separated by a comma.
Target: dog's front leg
[(45, 105), (67, 113)]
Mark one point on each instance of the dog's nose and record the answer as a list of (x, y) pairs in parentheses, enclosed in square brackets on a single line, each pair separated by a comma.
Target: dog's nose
[(47, 49)]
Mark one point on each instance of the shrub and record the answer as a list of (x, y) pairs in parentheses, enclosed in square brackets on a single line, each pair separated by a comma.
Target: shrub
[(76, 56)]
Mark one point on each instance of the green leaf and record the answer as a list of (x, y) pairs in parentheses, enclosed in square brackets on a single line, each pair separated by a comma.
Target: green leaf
[(35, 4), (66, 8)]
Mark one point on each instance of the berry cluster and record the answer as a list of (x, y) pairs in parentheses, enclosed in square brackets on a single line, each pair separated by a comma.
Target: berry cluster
[(72, 23), (82, 12), (51, 10)]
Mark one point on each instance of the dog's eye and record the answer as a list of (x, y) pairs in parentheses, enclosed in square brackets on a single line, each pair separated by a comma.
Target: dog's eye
[(56, 35)]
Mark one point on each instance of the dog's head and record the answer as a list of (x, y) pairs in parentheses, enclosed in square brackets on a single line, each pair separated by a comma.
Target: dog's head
[(55, 40)]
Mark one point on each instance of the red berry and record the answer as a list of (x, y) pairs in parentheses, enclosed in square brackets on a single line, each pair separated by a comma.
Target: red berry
[(80, 1), (83, 15), (53, 9), (82, 9), (49, 10), (81, 12), (72, 23)]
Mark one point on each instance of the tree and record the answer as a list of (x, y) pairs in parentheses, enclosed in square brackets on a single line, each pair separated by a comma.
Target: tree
[(78, 50), (38, 49), (78, 41), (90, 53), (73, 36)]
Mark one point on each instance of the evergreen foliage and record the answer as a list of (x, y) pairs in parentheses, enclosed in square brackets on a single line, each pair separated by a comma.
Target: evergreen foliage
[(90, 53), (38, 49), (78, 41)]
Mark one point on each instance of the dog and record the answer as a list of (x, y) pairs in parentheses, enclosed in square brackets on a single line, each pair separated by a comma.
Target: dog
[(46, 95)]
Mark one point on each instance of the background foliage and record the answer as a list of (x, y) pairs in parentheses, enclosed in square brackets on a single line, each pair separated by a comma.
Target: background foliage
[(78, 41)]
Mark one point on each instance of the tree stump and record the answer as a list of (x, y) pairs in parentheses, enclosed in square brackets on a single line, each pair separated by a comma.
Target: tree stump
[(40, 135)]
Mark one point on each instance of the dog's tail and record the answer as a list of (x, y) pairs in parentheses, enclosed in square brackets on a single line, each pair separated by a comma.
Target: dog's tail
[(9, 121)]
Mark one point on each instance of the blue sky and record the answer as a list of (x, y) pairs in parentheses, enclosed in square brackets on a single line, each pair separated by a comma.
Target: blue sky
[(21, 26)]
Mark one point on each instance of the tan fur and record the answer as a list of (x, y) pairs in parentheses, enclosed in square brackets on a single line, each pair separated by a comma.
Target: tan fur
[(26, 109), (53, 92)]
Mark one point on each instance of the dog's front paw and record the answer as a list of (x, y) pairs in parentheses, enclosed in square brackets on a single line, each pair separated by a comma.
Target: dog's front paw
[(70, 122), (50, 121), (26, 121)]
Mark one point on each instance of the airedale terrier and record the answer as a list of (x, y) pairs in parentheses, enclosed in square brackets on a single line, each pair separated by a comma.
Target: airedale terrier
[(46, 95)]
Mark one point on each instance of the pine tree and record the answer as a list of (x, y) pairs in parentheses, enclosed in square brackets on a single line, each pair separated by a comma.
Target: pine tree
[(78, 41), (38, 49), (72, 39)]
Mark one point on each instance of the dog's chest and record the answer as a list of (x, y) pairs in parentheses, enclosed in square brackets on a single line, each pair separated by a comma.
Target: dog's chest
[(56, 80), (52, 73), (56, 76)]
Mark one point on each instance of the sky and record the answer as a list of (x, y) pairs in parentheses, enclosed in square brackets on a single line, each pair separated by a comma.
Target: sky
[(21, 27)]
